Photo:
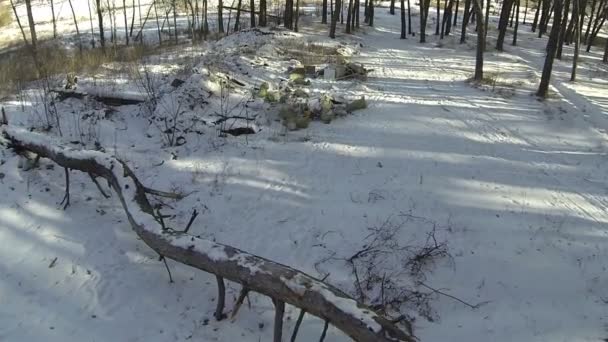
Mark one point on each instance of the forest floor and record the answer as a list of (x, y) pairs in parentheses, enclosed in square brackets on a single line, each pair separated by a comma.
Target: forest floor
[(514, 188)]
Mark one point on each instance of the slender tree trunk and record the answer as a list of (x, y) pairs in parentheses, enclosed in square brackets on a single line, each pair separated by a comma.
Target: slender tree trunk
[(102, 39), (160, 38), (525, 12), (485, 23), (237, 21), (32, 24), (252, 14), (371, 12), (324, 12), (25, 40), (175, 20), (76, 26), (349, 16), (577, 37), (465, 21), (220, 16), (403, 26), (562, 33), (409, 17), (516, 22), (605, 59), (132, 18), (334, 20), (594, 32), (542, 27), (54, 20), (262, 16), (456, 13), (391, 9), (551, 50), (366, 12), (481, 40), (288, 20), (593, 2), (502, 24), (424, 14), (536, 15), (124, 4), (91, 22), (357, 10), (438, 21), (297, 15)]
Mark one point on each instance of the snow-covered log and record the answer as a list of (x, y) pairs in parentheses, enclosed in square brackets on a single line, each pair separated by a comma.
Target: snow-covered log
[(280, 282)]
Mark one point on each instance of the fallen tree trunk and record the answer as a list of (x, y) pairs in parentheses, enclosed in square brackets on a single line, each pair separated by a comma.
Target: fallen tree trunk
[(103, 97), (279, 282)]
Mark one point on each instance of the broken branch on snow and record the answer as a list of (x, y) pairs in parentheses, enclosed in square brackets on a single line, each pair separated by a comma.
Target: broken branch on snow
[(275, 280)]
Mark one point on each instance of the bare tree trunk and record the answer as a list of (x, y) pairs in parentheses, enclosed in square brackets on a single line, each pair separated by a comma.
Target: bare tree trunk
[(525, 12), (391, 9), (237, 21), (324, 12), (456, 13), (486, 23), (536, 15), (593, 2), (371, 12), (465, 20), (562, 33), (252, 17), (288, 20), (516, 22), (102, 38), (551, 50), (295, 28), (54, 19), (91, 22), (481, 40), (503, 22), (424, 14), (334, 20), (160, 38), (403, 26), (263, 15), (349, 16), (25, 40), (576, 15), (409, 18), (76, 26), (220, 16), (438, 21), (124, 5), (30, 20), (175, 20)]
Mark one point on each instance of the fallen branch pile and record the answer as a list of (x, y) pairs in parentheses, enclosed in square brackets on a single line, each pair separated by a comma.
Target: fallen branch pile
[(281, 283)]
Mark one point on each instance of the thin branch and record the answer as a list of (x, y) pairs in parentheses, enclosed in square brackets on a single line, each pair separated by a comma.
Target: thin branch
[(192, 218), (324, 333), (66, 198), (221, 298), (167, 267), (98, 186), (239, 301), (160, 193), (279, 311), (472, 306), (297, 327)]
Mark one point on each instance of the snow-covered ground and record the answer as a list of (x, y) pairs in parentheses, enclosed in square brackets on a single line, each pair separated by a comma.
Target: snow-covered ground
[(517, 188)]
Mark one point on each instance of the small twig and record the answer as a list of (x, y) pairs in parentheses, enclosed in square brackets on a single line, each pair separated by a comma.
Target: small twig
[(52, 264), (239, 301), (160, 219), (279, 311), (221, 298), (324, 331), (192, 218), (297, 327), (162, 257), (172, 195), (472, 306), (98, 186), (66, 197)]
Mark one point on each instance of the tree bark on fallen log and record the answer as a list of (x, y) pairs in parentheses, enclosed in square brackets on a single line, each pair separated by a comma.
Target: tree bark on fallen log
[(279, 282), (105, 98)]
